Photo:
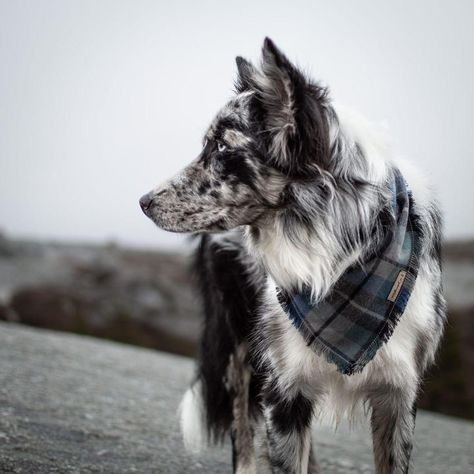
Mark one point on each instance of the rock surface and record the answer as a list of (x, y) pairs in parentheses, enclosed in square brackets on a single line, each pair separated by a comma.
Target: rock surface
[(72, 404)]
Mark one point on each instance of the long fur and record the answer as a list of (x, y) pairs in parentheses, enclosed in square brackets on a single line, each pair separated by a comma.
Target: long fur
[(289, 190)]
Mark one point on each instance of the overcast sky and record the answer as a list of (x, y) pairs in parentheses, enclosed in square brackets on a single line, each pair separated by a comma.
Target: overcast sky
[(102, 100)]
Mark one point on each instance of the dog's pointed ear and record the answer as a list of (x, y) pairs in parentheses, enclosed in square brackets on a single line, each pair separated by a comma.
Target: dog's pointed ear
[(246, 73), (293, 114), (277, 67)]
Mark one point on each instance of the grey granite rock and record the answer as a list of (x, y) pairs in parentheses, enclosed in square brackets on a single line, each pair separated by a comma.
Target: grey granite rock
[(71, 404)]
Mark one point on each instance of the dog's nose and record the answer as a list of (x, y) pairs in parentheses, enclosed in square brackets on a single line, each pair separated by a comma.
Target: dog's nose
[(145, 201)]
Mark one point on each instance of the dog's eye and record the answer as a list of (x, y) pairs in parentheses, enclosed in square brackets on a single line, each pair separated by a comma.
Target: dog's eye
[(221, 147)]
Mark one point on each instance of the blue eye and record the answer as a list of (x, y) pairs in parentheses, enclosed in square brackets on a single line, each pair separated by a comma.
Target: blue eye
[(221, 147)]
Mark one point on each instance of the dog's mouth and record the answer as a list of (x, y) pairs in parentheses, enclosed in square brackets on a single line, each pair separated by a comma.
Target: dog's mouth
[(217, 225)]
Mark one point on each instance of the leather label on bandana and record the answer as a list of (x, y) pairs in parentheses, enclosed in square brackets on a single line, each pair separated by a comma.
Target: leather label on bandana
[(397, 286)]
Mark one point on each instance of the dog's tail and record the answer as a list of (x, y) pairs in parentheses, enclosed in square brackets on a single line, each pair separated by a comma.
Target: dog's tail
[(230, 301), (192, 413)]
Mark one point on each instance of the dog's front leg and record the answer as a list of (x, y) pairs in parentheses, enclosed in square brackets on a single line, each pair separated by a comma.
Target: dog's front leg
[(242, 431), (393, 424), (288, 423)]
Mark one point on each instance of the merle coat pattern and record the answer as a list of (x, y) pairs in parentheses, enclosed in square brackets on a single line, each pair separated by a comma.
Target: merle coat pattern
[(287, 191)]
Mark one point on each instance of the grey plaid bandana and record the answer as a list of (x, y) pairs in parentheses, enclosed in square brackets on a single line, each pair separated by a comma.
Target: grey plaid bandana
[(361, 311)]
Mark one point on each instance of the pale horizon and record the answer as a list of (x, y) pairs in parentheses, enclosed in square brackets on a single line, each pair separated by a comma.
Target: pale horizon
[(100, 102)]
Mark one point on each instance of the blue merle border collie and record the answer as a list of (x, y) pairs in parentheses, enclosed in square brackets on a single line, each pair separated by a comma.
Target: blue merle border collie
[(287, 193)]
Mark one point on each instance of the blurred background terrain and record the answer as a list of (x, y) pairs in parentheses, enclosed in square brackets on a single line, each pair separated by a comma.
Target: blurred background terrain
[(148, 298), (102, 101)]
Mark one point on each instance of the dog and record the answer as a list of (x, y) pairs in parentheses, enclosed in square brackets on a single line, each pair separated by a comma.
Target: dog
[(288, 194)]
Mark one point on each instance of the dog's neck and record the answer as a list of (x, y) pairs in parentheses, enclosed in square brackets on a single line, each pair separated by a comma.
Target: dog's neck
[(342, 228), (312, 261)]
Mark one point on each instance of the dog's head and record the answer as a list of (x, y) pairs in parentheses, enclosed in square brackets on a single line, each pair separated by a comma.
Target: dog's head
[(273, 131)]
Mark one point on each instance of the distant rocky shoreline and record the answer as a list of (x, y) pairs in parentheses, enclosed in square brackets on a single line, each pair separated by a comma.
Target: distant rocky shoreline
[(148, 298)]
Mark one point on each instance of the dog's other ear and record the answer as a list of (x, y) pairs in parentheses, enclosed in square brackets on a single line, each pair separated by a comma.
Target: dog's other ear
[(295, 123), (246, 73)]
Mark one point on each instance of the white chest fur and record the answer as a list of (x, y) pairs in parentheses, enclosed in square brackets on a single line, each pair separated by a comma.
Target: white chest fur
[(299, 368)]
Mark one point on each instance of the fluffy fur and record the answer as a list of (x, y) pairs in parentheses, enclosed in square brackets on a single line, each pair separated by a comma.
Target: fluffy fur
[(288, 190)]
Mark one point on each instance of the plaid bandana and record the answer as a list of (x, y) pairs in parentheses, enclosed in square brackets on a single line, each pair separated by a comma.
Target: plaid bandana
[(360, 313)]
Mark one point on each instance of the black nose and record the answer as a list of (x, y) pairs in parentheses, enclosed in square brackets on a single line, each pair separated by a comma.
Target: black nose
[(145, 201)]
